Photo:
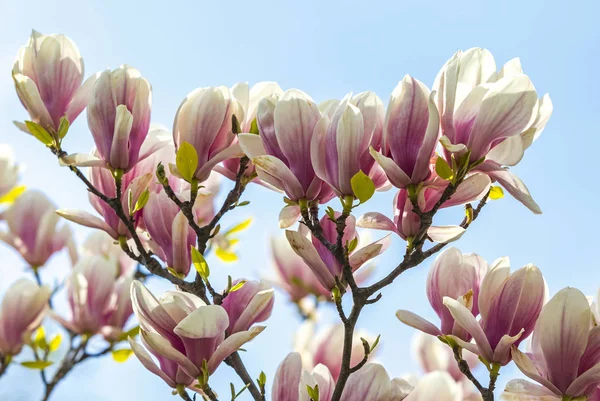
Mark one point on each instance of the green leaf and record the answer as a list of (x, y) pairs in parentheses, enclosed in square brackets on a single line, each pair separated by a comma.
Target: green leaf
[(200, 263), (330, 213), (244, 203), (362, 186), (121, 355), (186, 161), (375, 344), (40, 339), (40, 133), (262, 379), (352, 245), (254, 127), (237, 286), (130, 333), (55, 343), (239, 227), (175, 273), (63, 127), (313, 392), (225, 255), (36, 365), (142, 200), (443, 169), (496, 192)]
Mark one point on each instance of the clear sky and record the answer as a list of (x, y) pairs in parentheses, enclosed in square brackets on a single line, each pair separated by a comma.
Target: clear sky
[(327, 48)]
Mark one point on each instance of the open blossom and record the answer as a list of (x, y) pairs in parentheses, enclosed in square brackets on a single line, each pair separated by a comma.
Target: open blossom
[(326, 347), (48, 75), (509, 305), (291, 379), (98, 298), (410, 136), (494, 115), (338, 143), (564, 358), (321, 261), (293, 274), (455, 276), (251, 304), (282, 151), (182, 332), (9, 173), (22, 310), (34, 230), (372, 382), (204, 120), (248, 99)]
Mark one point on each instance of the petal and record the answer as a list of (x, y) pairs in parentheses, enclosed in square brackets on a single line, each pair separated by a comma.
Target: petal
[(30, 97), (82, 160), (445, 233), (438, 386), (376, 221), (464, 317), (471, 189), (529, 369), (502, 350), (289, 216), (276, 173), (205, 322), (164, 348), (230, 345), (589, 378), (522, 390), (371, 382), (515, 187), (119, 150), (492, 283), (368, 252), (306, 250), (417, 322), (146, 360), (86, 219), (254, 309), (80, 100), (287, 379), (232, 151), (397, 177)]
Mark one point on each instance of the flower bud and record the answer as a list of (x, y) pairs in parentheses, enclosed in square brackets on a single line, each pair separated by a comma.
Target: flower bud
[(22, 310), (253, 303), (48, 73)]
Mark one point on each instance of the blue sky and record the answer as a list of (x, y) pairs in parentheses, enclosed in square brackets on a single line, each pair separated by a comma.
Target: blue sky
[(328, 48)]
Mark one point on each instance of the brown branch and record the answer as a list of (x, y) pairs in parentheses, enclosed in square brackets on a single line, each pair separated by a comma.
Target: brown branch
[(236, 363)]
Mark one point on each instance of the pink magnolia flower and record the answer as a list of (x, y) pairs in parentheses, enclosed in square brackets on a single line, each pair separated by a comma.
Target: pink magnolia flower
[(281, 153), (373, 113), (48, 75), (454, 276), (183, 332), (294, 275), (509, 305), (98, 298), (495, 115), (22, 310), (410, 136), (372, 382), (204, 120), (565, 357), (34, 230), (321, 261), (101, 244), (248, 99), (438, 386), (291, 380), (251, 304)]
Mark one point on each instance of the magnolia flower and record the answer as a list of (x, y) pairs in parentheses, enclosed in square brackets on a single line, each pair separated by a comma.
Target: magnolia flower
[(338, 143), (204, 120), (454, 276), (509, 305), (101, 244), (282, 152), (253, 303), (291, 381), (410, 136), (48, 75), (98, 299), (34, 231), (494, 115), (248, 99), (373, 112), (372, 382), (322, 262), (22, 310), (564, 359), (438, 386), (9, 175), (133, 184), (183, 333), (326, 347), (293, 274)]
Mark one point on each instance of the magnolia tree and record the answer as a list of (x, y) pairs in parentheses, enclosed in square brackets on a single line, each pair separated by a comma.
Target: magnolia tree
[(154, 191)]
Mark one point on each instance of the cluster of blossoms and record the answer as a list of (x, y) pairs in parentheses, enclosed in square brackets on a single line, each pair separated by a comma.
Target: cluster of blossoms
[(155, 192)]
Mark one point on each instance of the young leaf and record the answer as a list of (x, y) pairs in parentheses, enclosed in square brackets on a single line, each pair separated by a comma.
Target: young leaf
[(313, 392), (254, 127), (225, 255), (362, 186), (40, 339), (130, 333), (36, 365), (186, 161), (40, 133), (443, 169), (121, 355), (141, 202), (239, 227), (496, 192), (55, 343), (63, 127), (237, 286), (12, 195), (352, 245), (200, 263)]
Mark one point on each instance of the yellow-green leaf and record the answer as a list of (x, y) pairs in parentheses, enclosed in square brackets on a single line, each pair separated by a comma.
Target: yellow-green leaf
[(63, 127), (496, 192), (254, 127), (40, 133), (55, 343), (142, 200), (362, 186), (121, 355), (175, 273), (225, 255), (12, 195), (38, 365), (239, 227), (130, 333), (186, 161), (40, 339), (200, 263), (237, 286), (443, 169)]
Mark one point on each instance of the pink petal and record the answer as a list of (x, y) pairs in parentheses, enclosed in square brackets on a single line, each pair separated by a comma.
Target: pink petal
[(230, 345), (417, 322)]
